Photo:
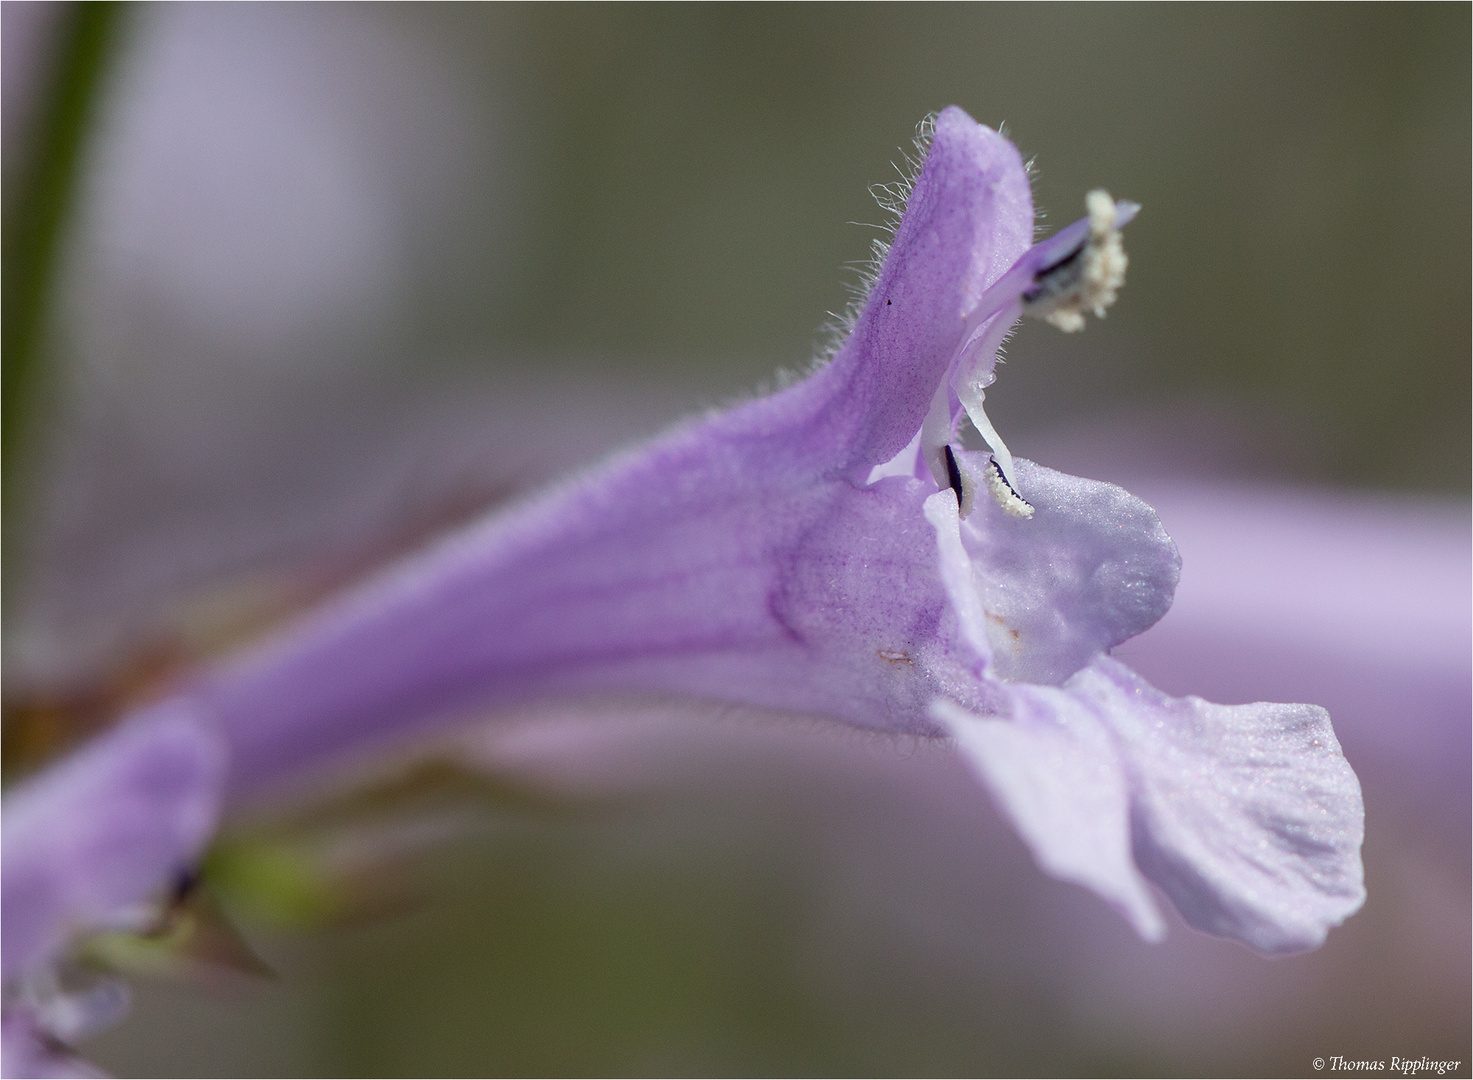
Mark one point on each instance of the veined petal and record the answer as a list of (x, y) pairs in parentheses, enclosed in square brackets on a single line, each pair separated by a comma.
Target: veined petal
[(89, 841), (819, 597), (968, 219), (1247, 816)]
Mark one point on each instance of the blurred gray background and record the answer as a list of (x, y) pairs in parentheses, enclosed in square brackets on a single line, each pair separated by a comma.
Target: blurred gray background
[(342, 273)]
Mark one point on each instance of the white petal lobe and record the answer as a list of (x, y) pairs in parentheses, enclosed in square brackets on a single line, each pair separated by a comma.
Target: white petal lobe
[(1247, 816)]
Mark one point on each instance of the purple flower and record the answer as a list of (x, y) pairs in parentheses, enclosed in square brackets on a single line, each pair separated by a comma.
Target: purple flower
[(87, 846), (830, 549)]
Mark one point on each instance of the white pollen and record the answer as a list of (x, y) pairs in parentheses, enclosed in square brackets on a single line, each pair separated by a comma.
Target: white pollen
[(1003, 494), (1101, 274), (1101, 212), (1067, 319)]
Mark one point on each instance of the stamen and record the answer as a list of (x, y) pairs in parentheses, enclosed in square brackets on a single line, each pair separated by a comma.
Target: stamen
[(972, 398), (1088, 277), (960, 483), (1080, 268), (1004, 494)]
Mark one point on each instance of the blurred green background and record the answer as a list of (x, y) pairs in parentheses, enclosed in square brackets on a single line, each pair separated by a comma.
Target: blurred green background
[(667, 194), (1303, 254), (675, 189)]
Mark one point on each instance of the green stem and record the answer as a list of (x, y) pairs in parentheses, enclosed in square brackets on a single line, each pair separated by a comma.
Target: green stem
[(34, 221)]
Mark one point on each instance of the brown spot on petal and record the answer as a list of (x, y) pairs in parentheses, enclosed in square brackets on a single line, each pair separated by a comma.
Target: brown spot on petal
[(1004, 624)]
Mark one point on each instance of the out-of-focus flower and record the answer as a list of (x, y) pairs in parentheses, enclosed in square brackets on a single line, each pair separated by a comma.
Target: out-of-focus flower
[(86, 847), (828, 550), (33, 1047)]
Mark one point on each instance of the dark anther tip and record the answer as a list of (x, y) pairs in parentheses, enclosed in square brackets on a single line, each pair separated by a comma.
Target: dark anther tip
[(954, 475)]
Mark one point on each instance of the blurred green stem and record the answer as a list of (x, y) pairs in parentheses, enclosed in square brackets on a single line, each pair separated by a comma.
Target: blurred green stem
[(34, 221)]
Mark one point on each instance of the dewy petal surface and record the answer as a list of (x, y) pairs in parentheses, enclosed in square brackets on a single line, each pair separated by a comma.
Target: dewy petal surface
[(90, 840), (1247, 816)]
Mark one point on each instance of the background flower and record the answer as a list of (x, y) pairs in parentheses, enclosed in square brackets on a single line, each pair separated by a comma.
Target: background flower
[(567, 227)]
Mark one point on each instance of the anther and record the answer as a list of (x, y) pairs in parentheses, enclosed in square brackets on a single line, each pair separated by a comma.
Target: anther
[(1003, 493), (1086, 277), (960, 483)]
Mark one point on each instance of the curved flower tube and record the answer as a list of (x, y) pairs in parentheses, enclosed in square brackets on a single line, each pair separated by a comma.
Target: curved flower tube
[(827, 550)]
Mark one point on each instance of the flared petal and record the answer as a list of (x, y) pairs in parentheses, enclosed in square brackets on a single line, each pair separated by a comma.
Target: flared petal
[(1247, 816), (88, 842), (1092, 568)]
